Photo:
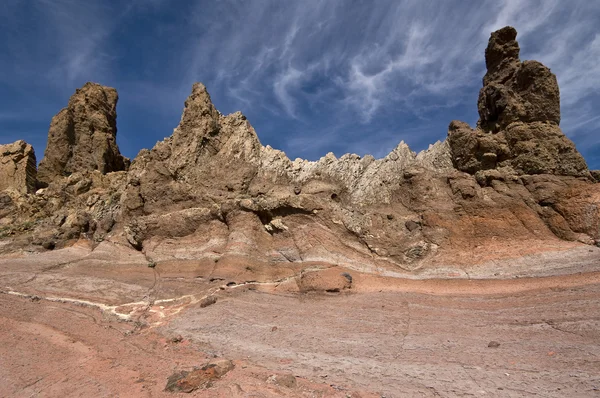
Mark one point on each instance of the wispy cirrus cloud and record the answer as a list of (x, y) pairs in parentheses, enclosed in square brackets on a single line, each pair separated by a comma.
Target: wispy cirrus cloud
[(312, 76)]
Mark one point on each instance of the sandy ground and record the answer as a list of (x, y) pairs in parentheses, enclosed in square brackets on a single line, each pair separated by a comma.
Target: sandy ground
[(78, 322)]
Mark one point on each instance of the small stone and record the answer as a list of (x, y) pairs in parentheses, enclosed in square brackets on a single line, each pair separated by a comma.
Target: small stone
[(205, 302), (286, 380), (347, 276), (49, 245), (493, 344), (189, 381), (177, 339), (411, 225)]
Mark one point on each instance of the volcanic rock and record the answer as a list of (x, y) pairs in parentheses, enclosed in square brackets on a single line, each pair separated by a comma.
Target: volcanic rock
[(82, 136), (188, 381), (330, 280), (283, 380), (514, 90), (17, 167), (519, 109), (212, 195)]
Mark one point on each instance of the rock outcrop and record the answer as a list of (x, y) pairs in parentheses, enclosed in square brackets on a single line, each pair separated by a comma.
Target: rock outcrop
[(17, 167), (208, 158), (211, 195), (519, 109), (82, 136)]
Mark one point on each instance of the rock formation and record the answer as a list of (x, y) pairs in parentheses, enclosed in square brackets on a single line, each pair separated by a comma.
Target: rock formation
[(17, 167), (211, 194), (82, 136), (519, 109)]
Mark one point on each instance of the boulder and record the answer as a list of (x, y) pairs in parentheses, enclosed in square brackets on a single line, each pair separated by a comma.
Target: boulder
[(187, 381)]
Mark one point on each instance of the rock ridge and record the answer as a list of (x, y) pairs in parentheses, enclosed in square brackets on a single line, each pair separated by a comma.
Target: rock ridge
[(212, 193)]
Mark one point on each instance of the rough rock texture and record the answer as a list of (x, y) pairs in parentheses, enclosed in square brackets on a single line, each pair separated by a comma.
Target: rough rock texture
[(211, 196), (515, 91), (519, 109), (17, 167), (82, 136), (188, 381)]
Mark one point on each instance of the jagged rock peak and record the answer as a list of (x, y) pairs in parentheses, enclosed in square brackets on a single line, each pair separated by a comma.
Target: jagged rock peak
[(17, 167), (199, 112), (515, 91), (82, 136), (519, 109), (502, 47), (203, 131)]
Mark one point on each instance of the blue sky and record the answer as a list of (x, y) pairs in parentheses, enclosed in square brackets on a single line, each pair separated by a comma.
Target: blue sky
[(311, 76)]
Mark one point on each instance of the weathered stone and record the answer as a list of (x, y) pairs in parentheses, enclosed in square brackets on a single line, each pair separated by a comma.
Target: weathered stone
[(211, 194), (189, 381), (328, 280), (411, 225), (207, 301), (519, 109), (514, 90), (18, 167), (82, 136), (283, 380)]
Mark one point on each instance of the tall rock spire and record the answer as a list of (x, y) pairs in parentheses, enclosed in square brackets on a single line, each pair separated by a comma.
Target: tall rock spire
[(82, 136), (515, 91), (17, 167), (519, 110)]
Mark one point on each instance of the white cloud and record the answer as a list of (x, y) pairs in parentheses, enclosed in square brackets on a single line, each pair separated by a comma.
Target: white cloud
[(381, 66), (284, 83)]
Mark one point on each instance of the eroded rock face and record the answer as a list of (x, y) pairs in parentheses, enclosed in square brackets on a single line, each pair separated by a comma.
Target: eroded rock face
[(515, 91), (82, 136), (519, 109), (17, 167), (212, 195)]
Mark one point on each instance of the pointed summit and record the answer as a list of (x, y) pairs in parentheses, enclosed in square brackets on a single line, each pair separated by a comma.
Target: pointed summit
[(515, 91), (519, 114), (502, 50), (199, 111), (83, 136)]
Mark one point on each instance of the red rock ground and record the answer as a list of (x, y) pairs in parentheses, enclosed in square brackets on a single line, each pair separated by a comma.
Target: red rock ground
[(73, 323)]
